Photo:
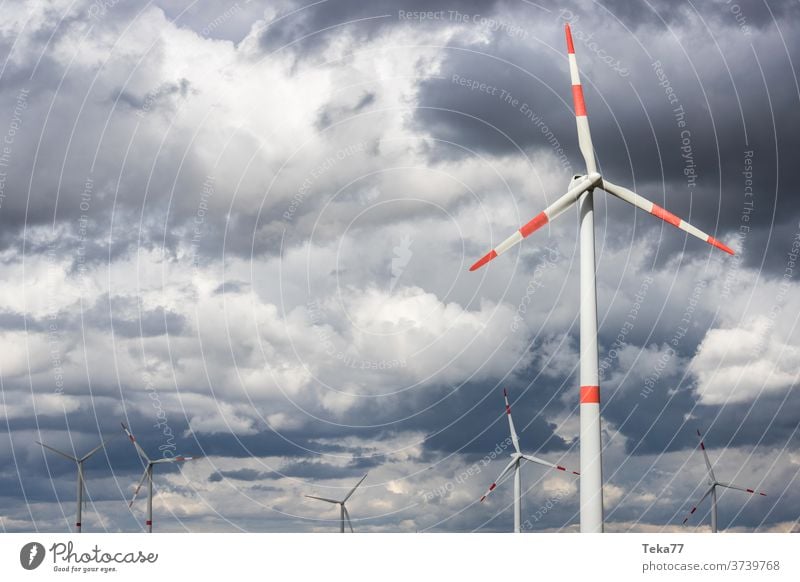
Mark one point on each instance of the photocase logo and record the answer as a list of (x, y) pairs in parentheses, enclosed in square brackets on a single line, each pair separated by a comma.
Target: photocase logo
[(31, 555), (402, 255)]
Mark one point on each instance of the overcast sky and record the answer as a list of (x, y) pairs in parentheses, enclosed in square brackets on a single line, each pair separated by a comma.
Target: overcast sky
[(245, 231)]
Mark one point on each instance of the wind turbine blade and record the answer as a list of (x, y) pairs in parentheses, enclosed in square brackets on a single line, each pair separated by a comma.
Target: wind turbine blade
[(547, 215), (63, 454), (347, 516), (582, 121), (706, 494), (322, 499), (139, 486), (539, 461), (98, 447), (514, 438), (353, 490), (745, 489), (499, 478), (654, 209), (132, 438), (705, 456)]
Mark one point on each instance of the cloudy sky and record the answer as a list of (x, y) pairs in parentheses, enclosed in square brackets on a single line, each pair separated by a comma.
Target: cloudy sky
[(245, 231)]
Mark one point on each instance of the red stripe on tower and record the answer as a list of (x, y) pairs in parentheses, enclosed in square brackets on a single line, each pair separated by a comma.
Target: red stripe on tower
[(493, 486), (148, 522), (570, 46), (560, 468), (590, 394), (577, 98)]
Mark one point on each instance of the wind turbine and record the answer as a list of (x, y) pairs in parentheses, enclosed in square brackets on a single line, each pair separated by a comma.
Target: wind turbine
[(517, 457), (343, 514), (148, 474), (581, 191), (712, 489), (81, 479)]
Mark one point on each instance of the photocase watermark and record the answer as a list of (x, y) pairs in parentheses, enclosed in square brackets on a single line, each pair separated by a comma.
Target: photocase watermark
[(738, 14), (224, 17), (526, 110), (471, 471), (792, 257), (614, 63), (552, 502), (534, 284), (402, 256), (316, 173), (31, 555), (734, 262), (681, 331), (99, 8), (326, 340), (206, 193), (168, 446), (687, 152), (7, 147), (621, 340), (492, 24)]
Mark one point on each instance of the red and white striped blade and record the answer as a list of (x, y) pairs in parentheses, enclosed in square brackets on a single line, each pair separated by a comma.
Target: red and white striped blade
[(705, 457), (539, 461), (538, 221), (654, 209), (132, 438), (514, 438), (581, 119), (745, 489), (139, 486), (499, 478), (706, 494)]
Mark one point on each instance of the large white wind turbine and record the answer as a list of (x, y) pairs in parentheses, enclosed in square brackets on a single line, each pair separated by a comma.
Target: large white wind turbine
[(343, 514), (517, 457), (81, 479), (712, 489), (148, 474), (581, 190)]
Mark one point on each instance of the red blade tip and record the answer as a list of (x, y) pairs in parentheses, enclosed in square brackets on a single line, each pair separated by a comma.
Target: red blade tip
[(486, 258), (714, 242), (570, 46)]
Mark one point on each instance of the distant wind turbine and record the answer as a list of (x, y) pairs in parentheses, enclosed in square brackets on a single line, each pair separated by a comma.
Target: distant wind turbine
[(712, 489), (81, 479), (343, 514), (517, 457), (148, 474)]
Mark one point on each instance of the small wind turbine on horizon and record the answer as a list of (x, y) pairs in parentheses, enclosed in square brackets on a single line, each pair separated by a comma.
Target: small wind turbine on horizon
[(343, 513), (81, 479), (581, 191), (148, 474), (517, 457), (712, 490)]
